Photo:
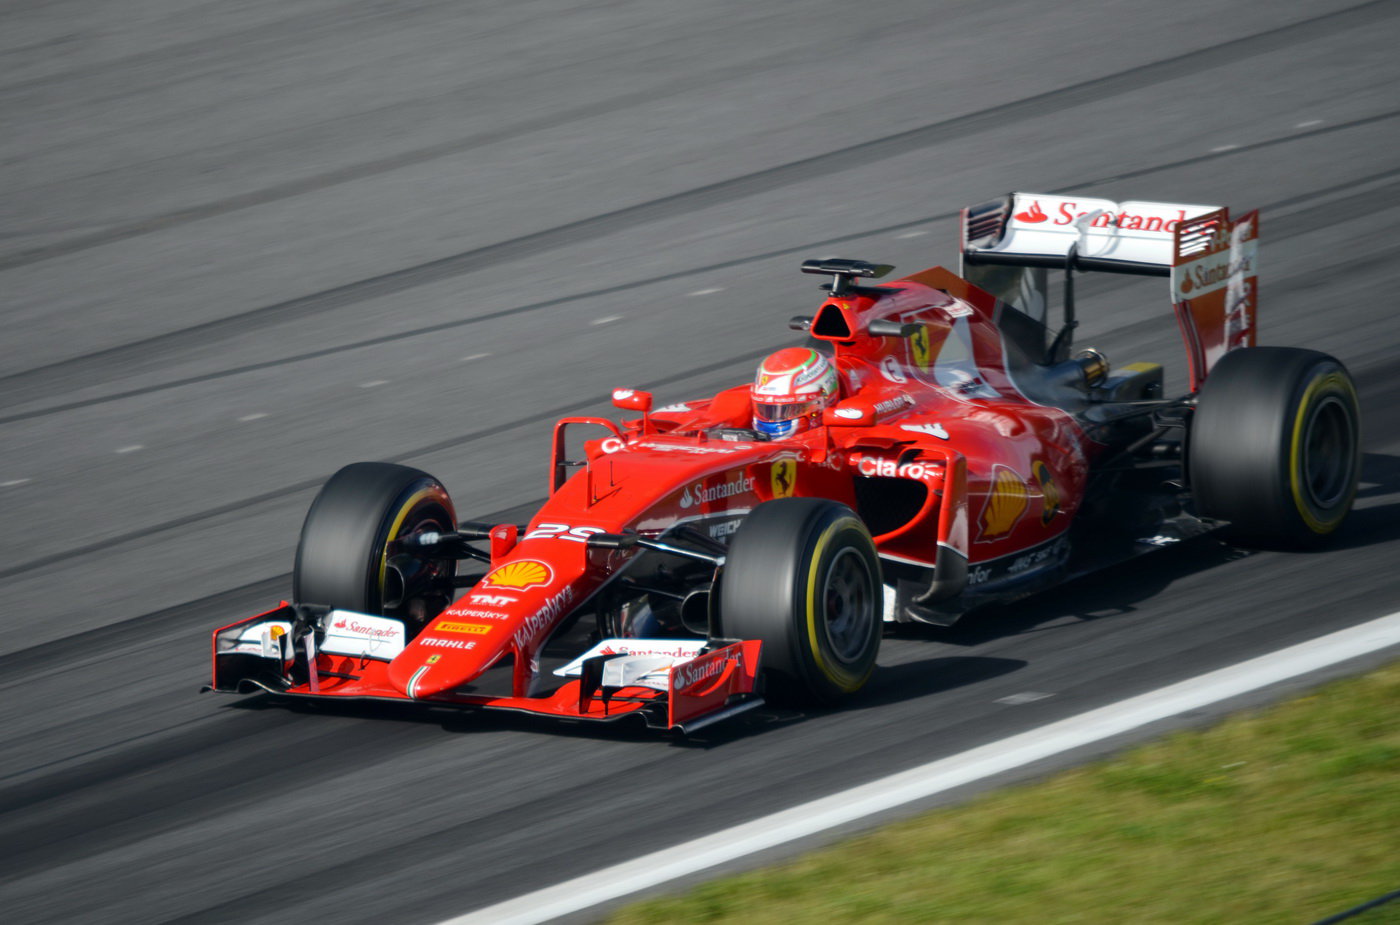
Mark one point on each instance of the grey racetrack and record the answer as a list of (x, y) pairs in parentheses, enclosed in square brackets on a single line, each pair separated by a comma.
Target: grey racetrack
[(244, 243)]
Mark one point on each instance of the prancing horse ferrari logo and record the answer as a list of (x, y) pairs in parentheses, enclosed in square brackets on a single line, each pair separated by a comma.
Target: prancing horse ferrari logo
[(919, 348), (784, 478)]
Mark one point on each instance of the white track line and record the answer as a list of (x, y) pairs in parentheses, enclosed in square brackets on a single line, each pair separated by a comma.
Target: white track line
[(937, 776)]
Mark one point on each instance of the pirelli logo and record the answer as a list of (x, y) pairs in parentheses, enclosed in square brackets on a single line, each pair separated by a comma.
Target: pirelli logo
[(471, 629)]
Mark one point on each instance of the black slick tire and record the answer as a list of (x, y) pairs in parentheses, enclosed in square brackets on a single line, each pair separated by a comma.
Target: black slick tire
[(1274, 446), (343, 557), (802, 576)]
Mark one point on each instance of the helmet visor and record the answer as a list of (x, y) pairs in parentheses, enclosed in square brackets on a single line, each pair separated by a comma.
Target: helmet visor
[(776, 414)]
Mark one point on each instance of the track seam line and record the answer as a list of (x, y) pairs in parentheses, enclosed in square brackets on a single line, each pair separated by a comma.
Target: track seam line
[(766, 180), (1301, 216), (899, 790), (307, 484), (681, 274)]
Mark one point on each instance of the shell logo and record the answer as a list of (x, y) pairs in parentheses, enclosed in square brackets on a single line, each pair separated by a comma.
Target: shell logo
[(1006, 502), (524, 573)]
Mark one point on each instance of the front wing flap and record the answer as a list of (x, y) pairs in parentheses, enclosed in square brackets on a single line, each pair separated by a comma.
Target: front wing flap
[(274, 653)]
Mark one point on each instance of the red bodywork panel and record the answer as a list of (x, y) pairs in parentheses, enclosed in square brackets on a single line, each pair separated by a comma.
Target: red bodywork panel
[(935, 421)]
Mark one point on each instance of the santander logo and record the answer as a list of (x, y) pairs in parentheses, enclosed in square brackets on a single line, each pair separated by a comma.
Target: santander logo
[(703, 495), (1160, 218), (1033, 215), (360, 629)]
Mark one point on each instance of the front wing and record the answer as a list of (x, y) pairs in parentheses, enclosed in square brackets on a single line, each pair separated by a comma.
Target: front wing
[(266, 653)]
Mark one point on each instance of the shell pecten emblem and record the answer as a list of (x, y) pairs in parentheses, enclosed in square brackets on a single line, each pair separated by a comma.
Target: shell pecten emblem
[(1007, 500), (519, 575)]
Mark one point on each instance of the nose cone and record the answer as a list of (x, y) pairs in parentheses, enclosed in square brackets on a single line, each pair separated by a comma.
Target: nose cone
[(449, 653), (513, 608)]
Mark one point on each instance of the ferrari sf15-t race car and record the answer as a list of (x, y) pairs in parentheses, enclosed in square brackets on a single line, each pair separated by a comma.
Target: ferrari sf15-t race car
[(941, 449)]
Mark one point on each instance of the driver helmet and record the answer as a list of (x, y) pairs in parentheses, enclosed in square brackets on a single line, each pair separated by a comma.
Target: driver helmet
[(790, 391)]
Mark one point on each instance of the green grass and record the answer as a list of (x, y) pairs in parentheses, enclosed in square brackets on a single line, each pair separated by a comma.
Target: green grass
[(1290, 814)]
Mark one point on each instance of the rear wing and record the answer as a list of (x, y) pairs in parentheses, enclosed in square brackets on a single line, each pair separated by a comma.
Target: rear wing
[(1009, 243)]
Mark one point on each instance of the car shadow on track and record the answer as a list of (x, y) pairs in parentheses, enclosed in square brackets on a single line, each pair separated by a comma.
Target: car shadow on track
[(452, 720), (912, 680), (1379, 523), (1115, 591), (1111, 592), (890, 684)]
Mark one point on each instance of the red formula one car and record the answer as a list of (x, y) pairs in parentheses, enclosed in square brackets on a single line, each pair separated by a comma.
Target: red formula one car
[(935, 448)]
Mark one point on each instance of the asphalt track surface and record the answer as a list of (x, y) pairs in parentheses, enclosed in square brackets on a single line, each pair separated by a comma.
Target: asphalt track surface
[(244, 244)]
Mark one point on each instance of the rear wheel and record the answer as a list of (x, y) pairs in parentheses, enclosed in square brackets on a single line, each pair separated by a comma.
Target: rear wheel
[(802, 576), (348, 556), (1274, 446)]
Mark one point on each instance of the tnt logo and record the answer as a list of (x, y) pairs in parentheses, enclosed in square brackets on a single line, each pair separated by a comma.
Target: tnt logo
[(491, 600)]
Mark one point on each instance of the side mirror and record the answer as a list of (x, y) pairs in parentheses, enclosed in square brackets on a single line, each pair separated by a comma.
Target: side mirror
[(632, 400), (849, 415)]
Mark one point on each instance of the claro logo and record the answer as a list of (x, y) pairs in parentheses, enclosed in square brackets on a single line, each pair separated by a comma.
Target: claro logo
[(889, 468)]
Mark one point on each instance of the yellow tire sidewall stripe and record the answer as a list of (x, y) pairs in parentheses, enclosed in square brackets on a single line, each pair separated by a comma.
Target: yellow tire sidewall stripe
[(399, 518), (842, 679), (1295, 453)]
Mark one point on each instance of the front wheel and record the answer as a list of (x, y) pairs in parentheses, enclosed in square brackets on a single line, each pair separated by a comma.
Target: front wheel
[(802, 576), (1274, 446), (346, 558)]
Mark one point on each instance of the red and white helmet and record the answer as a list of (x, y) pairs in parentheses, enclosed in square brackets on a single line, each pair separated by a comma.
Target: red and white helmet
[(790, 391)]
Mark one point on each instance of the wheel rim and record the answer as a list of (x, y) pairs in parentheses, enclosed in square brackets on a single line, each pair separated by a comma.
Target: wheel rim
[(424, 590), (850, 603), (1327, 454)]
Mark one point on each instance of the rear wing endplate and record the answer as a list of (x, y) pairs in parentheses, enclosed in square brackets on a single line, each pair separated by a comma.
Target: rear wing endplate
[(1008, 243)]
